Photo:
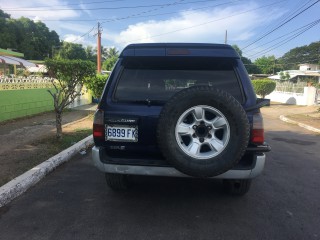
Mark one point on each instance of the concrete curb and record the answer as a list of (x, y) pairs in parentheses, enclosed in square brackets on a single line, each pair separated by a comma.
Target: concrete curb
[(285, 119), (22, 183)]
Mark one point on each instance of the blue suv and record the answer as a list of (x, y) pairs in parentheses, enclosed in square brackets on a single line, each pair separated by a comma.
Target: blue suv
[(180, 110)]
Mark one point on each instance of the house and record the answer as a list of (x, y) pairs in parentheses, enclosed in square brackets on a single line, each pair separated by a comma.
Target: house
[(306, 71), (309, 67), (297, 89), (9, 57)]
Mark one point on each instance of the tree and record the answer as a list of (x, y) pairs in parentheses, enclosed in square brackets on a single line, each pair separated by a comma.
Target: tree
[(251, 67), (70, 76), (263, 87), (71, 51), (109, 63), (267, 65), (91, 54), (111, 55), (4, 15), (305, 54), (34, 39), (111, 52), (96, 84), (284, 76), (238, 50)]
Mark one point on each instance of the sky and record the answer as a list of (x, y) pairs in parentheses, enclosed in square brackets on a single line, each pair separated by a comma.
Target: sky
[(258, 27)]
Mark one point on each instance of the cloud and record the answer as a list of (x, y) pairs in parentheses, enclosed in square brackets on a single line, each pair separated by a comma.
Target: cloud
[(60, 26), (32, 9), (84, 8), (197, 26)]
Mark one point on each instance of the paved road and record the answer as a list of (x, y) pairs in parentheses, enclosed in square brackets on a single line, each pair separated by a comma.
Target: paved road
[(74, 202)]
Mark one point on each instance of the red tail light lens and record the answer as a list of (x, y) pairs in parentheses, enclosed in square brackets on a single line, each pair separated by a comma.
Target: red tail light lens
[(257, 132), (98, 124)]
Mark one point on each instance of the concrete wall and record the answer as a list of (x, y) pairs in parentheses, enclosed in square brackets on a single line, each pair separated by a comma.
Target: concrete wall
[(85, 98), (308, 97), (24, 96)]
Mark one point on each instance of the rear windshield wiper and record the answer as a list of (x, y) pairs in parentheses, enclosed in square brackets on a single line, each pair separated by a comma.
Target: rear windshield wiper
[(150, 102)]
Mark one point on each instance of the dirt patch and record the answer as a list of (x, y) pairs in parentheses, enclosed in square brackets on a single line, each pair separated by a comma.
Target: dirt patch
[(308, 115), (27, 142), (312, 119), (277, 109)]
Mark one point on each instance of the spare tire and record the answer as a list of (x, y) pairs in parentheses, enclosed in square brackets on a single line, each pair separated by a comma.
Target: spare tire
[(203, 131)]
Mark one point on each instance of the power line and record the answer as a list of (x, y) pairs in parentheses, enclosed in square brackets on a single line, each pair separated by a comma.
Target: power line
[(148, 11), (286, 40), (87, 33), (205, 23), (117, 19), (284, 35), (281, 20), (102, 8), (70, 4), (109, 19), (268, 33), (138, 15), (291, 13)]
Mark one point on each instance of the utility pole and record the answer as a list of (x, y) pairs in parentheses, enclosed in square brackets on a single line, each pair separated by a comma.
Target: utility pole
[(226, 37), (274, 65), (99, 48)]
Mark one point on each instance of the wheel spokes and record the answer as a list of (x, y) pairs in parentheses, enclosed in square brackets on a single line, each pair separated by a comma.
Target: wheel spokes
[(219, 122), (184, 129), (198, 113), (216, 144), (194, 148), (202, 132)]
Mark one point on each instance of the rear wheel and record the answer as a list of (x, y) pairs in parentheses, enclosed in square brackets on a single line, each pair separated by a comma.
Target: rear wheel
[(117, 182), (237, 187), (203, 131)]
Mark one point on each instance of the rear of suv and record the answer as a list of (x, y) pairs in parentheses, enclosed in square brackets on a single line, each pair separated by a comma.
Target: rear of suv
[(180, 110)]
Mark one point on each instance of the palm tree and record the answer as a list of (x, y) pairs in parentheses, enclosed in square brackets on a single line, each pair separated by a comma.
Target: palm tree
[(111, 52), (110, 56)]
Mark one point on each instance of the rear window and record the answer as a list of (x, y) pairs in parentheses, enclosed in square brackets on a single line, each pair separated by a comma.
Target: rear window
[(147, 78)]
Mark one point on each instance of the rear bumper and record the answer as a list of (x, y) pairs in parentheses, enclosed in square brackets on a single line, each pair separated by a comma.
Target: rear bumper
[(172, 172)]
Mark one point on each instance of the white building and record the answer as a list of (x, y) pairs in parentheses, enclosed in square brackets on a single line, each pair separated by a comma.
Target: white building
[(295, 90), (306, 70), (309, 67)]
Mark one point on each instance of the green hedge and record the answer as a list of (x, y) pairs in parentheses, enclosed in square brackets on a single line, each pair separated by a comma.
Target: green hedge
[(96, 84), (263, 87)]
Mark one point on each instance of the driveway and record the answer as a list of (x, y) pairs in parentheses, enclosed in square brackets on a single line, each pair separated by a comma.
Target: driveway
[(74, 202)]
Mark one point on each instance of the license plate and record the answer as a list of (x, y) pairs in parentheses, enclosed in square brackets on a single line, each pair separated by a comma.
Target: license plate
[(122, 133)]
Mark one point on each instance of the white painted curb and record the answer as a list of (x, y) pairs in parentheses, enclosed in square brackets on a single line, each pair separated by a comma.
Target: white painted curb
[(22, 183), (285, 119)]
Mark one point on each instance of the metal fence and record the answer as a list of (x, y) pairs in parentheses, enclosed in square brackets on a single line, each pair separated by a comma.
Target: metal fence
[(19, 83), (290, 87)]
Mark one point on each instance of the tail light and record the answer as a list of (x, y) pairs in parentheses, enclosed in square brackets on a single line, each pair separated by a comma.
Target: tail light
[(98, 124), (257, 132)]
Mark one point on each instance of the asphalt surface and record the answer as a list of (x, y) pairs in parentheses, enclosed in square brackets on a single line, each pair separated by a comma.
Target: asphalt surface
[(74, 202)]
